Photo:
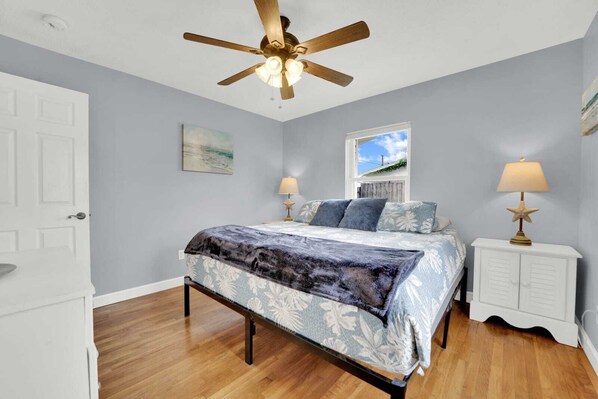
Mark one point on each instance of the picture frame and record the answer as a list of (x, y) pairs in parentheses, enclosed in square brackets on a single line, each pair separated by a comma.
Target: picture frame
[(589, 109), (207, 150)]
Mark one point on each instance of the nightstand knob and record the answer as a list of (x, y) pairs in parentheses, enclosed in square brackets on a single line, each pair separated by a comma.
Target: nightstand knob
[(514, 282), (524, 284)]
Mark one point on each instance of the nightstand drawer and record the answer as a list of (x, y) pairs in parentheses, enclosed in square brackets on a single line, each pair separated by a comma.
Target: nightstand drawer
[(499, 278), (543, 286)]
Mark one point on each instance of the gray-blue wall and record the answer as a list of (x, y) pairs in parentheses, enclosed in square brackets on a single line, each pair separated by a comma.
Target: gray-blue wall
[(144, 208), (587, 283), (464, 128)]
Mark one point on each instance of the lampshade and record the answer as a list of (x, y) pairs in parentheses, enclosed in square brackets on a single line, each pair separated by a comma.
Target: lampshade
[(523, 176), (288, 185)]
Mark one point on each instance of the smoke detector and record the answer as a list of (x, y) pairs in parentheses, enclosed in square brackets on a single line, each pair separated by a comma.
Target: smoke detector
[(54, 22)]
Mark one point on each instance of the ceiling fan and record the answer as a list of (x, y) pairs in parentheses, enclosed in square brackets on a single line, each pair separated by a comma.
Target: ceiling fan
[(281, 49)]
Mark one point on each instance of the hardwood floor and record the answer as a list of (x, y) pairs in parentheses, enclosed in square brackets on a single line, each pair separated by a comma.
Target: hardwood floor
[(149, 350)]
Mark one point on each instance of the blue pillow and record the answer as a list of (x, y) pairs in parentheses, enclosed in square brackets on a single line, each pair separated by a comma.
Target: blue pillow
[(409, 217), (363, 214), (330, 213)]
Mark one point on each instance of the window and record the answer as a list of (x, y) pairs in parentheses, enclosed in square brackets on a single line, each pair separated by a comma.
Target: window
[(378, 163)]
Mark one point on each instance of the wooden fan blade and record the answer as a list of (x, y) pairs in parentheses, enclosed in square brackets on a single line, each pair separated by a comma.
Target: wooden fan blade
[(240, 75), (270, 16), (220, 43), (328, 74), (286, 91), (348, 34)]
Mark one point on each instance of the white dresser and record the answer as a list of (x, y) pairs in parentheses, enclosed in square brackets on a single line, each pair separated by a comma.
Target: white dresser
[(46, 327), (526, 286)]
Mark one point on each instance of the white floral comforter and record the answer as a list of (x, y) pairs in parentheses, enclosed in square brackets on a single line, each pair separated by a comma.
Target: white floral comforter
[(398, 348)]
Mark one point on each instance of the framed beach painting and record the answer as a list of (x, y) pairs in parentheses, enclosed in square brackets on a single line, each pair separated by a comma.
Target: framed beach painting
[(589, 109), (206, 150)]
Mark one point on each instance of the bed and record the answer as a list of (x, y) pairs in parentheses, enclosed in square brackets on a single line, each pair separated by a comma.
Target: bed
[(343, 333)]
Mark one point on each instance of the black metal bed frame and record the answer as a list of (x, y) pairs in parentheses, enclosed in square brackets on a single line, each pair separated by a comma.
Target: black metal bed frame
[(397, 387)]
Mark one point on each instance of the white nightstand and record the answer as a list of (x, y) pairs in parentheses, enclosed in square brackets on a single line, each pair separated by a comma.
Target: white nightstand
[(526, 286)]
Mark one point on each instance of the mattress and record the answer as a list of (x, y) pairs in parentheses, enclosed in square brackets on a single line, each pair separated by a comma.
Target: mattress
[(416, 309)]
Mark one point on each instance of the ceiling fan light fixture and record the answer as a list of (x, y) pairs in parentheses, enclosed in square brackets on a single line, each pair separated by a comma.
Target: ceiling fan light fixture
[(274, 80), (294, 67), (292, 79), (271, 72), (262, 73), (274, 65), (293, 71)]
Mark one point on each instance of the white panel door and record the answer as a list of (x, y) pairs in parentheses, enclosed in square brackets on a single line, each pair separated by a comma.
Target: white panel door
[(543, 286), (44, 167), (499, 278)]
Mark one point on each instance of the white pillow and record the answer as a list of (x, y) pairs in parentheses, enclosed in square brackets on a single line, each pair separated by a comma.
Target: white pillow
[(441, 223)]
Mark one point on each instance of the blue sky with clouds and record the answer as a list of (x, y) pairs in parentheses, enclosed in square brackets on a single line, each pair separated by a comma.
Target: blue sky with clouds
[(392, 145)]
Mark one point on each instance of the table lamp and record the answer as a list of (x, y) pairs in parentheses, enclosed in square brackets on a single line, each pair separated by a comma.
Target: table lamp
[(288, 186), (523, 176)]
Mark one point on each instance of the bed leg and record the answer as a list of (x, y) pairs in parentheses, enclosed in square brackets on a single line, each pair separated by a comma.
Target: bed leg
[(398, 395), (463, 298), (447, 321), (249, 333), (187, 309)]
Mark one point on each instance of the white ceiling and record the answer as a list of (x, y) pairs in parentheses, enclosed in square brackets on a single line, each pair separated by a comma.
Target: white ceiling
[(411, 41)]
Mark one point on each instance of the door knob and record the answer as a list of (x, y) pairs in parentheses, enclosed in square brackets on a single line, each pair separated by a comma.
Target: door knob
[(80, 216)]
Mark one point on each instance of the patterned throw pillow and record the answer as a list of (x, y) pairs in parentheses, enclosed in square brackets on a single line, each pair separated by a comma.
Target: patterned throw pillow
[(307, 211), (409, 217)]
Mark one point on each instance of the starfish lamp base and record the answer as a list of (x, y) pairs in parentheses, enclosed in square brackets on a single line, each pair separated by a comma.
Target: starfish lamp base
[(520, 214), (520, 239)]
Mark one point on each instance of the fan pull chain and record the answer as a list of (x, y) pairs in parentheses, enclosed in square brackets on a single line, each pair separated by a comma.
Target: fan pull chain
[(273, 96), (279, 100)]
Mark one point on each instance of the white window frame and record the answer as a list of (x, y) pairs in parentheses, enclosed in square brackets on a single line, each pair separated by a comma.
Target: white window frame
[(351, 162)]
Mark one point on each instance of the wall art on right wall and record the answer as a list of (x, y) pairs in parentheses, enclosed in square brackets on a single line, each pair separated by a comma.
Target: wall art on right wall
[(589, 109)]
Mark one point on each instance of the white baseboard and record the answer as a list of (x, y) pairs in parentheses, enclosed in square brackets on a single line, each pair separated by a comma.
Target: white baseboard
[(587, 346), (468, 296), (135, 292)]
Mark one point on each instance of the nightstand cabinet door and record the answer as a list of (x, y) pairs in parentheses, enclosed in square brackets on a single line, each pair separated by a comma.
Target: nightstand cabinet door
[(543, 286), (499, 278)]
